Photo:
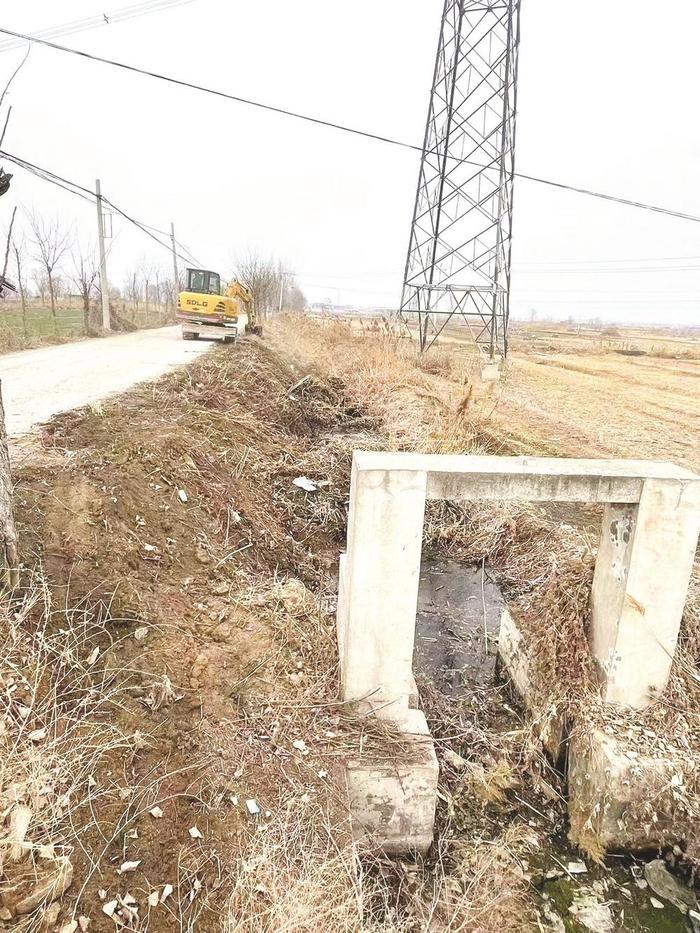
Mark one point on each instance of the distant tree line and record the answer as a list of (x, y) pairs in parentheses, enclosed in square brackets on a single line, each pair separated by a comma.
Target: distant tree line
[(50, 265), (274, 288)]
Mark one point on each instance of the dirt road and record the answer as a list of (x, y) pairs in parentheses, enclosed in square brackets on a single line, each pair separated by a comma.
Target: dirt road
[(37, 384)]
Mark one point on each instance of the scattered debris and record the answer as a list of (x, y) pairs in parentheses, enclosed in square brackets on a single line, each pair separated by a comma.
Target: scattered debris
[(577, 868), (110, 907), (300, 746), (156, 813), (167, 891), (304, 483), (141, 633), (128, 866), (182, 496), (195, 833), (161, 694), (252, 807)]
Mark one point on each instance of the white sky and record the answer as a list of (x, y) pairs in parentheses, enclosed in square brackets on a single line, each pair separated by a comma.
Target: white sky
[(609, 95)]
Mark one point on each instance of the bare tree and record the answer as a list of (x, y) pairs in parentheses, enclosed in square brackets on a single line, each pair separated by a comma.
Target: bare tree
[(51, 243), (132, 290), (18, 250), (85, 270), (264, 277), (41, 285)]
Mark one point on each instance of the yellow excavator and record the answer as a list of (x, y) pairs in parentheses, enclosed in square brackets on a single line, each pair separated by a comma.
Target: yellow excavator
[(204, 311)]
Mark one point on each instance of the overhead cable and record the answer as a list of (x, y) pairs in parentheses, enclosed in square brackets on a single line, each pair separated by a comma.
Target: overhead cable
[(342, 127)]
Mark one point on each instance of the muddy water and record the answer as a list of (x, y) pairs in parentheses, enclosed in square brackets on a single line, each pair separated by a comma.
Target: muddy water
[(457, 626), (459, 612)]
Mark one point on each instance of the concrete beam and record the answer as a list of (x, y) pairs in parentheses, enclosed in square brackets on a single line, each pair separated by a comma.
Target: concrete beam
[(532, 479)]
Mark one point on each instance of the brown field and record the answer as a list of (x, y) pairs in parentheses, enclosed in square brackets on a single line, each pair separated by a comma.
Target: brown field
[(585, 393)]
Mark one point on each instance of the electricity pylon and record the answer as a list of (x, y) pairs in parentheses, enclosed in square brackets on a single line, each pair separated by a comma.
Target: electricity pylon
[(459, 256)]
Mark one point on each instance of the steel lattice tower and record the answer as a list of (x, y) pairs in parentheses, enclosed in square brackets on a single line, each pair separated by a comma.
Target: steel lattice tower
[(459, 256)]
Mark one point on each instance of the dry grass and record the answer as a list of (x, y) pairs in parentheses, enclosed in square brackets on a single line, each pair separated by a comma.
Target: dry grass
[(236, 591), (56, 727), (545, 566)]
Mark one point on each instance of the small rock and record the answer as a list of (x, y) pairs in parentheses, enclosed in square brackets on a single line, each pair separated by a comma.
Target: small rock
[(202, 555), (662, 883), (454, 760), (141, 633), (591, 912), (69, 927), (156, 813), (20, 818), (252, 807), (83, 923), (659, 905), (295, 597), (221, 589), (182, 495), (195, 833), (167, 891), (128, 866), (577, 868), (49, 918), (153, 899), (110, 907)]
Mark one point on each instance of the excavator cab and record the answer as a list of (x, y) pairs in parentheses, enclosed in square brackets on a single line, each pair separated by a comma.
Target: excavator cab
[(205, 311), (202, 282)]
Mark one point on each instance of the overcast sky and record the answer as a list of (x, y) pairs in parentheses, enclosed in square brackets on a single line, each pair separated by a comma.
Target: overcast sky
[(609, 95)]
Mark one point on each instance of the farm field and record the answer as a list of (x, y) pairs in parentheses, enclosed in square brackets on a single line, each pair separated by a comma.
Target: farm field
[(37, 327), (583, 394)]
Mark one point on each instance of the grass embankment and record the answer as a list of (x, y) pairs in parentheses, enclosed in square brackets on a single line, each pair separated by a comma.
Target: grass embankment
[(173, 652), (38, 327), (172, 656)]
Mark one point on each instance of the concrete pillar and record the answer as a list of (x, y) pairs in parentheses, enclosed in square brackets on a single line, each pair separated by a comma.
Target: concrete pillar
[(378, 595), (640, 586)]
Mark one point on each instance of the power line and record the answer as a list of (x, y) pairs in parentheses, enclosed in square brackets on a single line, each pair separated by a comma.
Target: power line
[(94, 22), (342, 127), (87, 194)]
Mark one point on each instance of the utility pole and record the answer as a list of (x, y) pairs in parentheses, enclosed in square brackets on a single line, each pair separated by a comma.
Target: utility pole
[(104, 284), (176, 280)]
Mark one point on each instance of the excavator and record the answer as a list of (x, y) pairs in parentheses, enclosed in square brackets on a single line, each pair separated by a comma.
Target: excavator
[(204, 311)]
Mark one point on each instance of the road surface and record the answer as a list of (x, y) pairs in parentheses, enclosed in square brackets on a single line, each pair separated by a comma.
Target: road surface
[(37, 384)]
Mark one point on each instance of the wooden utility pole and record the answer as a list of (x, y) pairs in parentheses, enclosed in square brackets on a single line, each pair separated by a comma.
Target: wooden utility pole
[(176, 274), (104, 284)]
